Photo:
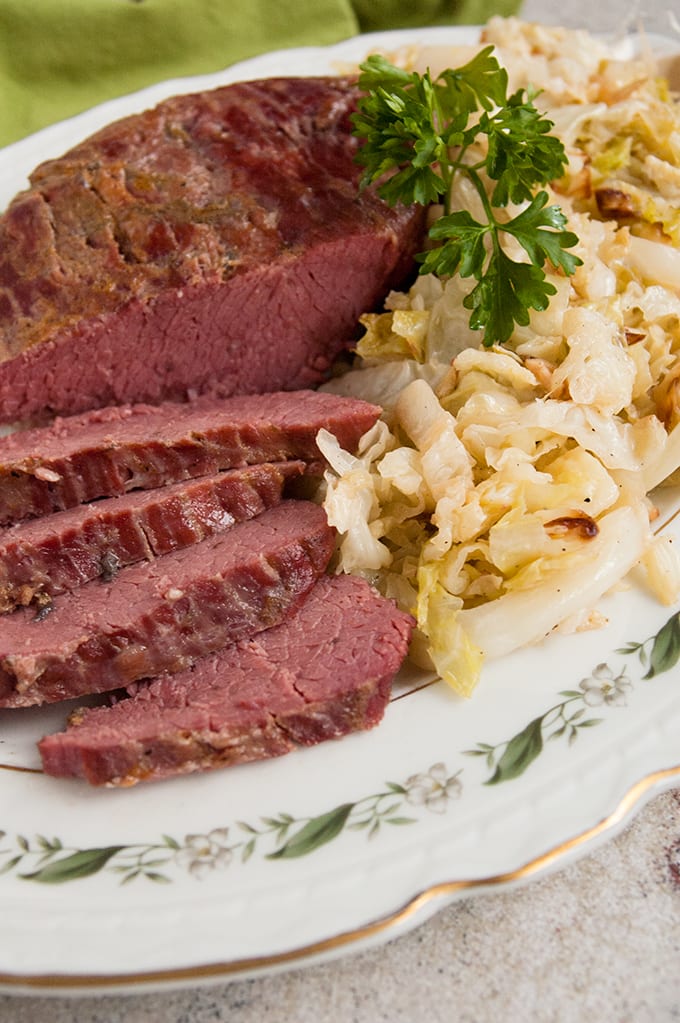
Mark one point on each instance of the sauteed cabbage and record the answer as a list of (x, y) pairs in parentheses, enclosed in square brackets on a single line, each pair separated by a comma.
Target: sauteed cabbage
[(506, 489)]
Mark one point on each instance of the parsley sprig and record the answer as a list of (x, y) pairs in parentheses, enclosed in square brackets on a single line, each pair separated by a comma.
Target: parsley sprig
[(419, 133)]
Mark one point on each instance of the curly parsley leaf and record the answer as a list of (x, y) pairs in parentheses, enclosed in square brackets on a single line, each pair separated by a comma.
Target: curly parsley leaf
[(479, 83), (521, 153), (398, 118), (529, 228), (465, 251), (504, 295), (418, 133)]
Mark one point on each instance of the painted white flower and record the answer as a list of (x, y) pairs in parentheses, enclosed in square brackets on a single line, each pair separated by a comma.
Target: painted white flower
[(203, 853), (434, 789), (603, 686)]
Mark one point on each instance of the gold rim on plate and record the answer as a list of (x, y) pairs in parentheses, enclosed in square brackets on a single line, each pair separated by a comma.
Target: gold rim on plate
[(377, 929)]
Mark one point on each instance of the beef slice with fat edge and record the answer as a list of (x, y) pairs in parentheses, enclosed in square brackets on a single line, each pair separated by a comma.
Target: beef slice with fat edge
[(112, 451), (324, 672), (57, 553), (162, 615)]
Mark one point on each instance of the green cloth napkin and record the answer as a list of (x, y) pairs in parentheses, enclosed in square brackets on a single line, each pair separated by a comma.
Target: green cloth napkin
[(58, 57)]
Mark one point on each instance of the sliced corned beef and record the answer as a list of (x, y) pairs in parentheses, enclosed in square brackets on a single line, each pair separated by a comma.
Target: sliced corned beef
[(57, 553), (217, 243), (111, 451), (162, 615), (325, 672)]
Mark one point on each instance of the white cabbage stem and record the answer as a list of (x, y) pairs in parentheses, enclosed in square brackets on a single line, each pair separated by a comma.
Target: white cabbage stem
[(655, 262), (522, 617), (666, 462)]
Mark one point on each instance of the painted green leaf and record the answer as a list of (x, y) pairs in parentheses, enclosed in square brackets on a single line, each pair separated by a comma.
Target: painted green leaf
[(521, 750), (78, 864), (11, 864), (159, 862), (246, 827), (315, 833), (392, 808), (666, 648), (155, 875)]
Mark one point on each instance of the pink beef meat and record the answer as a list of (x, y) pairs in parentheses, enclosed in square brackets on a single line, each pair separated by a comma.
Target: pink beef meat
[(57, 553), (107, 452), (323, 673), (162, 615), (217, 243)]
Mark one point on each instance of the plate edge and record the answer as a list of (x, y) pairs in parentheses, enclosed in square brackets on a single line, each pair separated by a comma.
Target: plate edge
[(411, 914)]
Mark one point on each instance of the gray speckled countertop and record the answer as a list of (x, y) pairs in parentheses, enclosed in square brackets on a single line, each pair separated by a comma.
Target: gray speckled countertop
[(598, 940)]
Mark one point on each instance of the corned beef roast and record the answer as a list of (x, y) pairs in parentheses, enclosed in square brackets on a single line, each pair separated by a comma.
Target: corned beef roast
[(162, 615), (215, 243), (324, 672), (107, 452), (57, 553)]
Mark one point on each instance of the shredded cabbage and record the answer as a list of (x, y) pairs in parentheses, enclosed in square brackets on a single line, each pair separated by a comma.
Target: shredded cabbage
[(506, 490)]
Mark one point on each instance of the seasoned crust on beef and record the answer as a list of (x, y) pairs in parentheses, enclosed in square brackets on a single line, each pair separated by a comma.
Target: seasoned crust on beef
[(218, 243)]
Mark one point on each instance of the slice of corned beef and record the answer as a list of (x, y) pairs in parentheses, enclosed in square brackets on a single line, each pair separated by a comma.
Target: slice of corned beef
[(163, 615), (57, 553), (111, 451), (325, 672), (217, 243)]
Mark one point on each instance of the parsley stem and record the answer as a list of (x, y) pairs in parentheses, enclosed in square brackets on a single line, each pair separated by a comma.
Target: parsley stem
[(477, 182)]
